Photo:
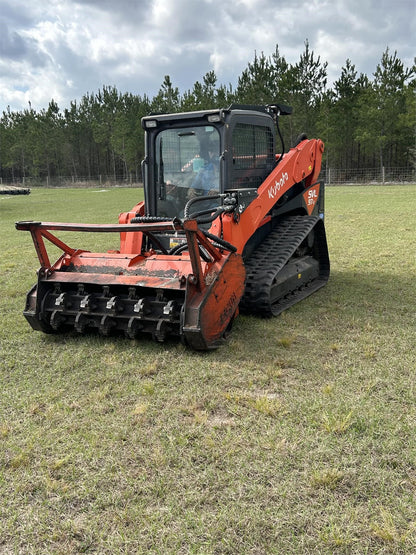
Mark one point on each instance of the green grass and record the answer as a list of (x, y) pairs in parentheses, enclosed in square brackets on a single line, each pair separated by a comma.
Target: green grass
[(298, 436)]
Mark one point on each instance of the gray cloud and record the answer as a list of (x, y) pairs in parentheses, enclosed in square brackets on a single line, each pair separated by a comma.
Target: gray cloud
[(65, 48), (11, 43)]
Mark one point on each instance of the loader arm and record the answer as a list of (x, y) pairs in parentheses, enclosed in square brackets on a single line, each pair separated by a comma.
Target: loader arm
[(301, 164)]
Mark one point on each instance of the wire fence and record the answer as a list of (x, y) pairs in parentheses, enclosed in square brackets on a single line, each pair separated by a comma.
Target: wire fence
[(105, 181), (331, 176), (336, 176)]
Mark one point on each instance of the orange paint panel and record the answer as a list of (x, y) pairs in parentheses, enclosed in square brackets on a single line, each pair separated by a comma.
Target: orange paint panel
[(208, 313)]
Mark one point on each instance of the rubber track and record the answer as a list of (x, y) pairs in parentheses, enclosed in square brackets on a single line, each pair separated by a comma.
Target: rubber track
[(267, 261)]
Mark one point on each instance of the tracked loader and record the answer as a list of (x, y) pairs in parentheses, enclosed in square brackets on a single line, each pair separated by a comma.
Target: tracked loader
[(226, 225)]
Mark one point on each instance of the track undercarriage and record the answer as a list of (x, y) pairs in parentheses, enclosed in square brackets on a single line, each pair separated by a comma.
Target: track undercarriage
[(288, 266)]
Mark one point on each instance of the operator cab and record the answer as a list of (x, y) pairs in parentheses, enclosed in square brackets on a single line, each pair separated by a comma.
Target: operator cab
[(204, 154)]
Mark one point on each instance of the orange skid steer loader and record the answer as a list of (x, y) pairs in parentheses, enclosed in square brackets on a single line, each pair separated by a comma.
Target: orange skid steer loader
[(227, 225)]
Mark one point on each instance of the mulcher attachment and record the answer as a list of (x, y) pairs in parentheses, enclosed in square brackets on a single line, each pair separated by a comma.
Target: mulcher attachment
[(84, 307), (186, 295)]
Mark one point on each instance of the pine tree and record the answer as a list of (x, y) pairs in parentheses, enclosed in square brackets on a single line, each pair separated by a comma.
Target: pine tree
[(382, 109)]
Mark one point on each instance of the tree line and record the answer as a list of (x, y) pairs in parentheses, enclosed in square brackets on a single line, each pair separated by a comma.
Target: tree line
[(365, 122)]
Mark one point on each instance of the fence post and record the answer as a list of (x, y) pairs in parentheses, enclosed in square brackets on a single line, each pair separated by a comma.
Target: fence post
[(383, 175)]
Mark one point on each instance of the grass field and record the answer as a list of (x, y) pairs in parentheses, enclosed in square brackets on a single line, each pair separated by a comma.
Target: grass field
[(298, 436)]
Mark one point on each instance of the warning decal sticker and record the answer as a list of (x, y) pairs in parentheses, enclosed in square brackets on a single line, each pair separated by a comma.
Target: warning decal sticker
[(311, 196)]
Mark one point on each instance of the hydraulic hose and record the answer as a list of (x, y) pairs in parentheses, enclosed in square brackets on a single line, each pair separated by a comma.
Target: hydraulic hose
[(224, 244), (148, 220), (214, 238), (199, 199), (180, 248), (196, 215), (213, 216), (281, 139)]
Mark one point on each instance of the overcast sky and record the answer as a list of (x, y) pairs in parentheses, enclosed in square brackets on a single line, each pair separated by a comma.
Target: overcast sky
[(62, 49)]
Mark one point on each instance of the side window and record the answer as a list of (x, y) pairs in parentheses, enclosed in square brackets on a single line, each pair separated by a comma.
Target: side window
[(253, 155)]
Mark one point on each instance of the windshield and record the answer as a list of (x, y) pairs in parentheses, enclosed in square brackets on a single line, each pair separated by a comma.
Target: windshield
[(187, 165)]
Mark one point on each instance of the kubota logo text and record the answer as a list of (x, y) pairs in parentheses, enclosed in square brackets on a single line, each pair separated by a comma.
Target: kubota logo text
[(278, 185)]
